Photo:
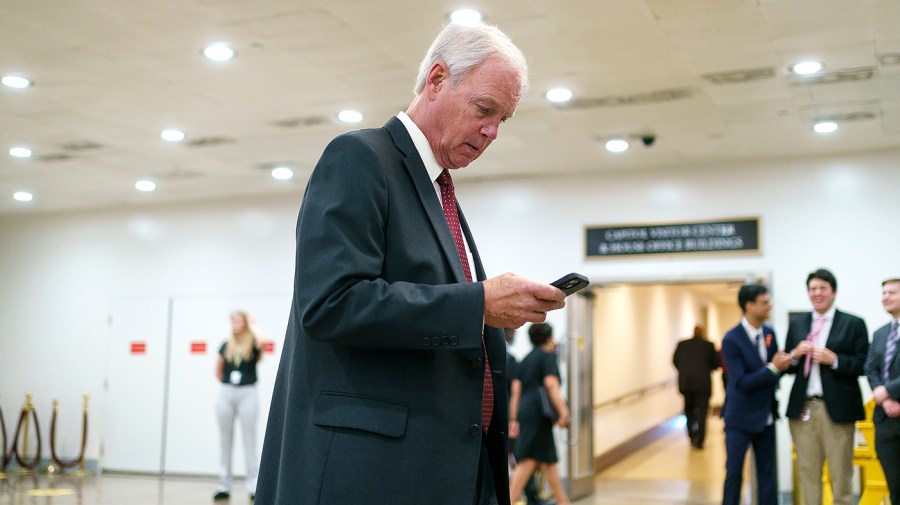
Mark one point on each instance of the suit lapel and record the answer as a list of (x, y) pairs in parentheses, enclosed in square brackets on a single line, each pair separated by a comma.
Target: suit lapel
[(837, 326), (479, 268), (749, 346), (425, 189)]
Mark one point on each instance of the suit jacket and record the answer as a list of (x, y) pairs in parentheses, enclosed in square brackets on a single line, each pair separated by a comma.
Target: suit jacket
[(695, 358), (849, 340), (875, 367), (378, 393), (750, 396)]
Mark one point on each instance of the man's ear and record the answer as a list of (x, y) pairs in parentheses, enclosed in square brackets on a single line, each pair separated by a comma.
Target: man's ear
[(438, 77)]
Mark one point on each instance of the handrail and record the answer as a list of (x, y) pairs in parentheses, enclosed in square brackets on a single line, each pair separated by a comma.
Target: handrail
[(634, 394)]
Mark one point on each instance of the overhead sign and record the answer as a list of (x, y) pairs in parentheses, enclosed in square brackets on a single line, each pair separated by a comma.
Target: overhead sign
[(733, 235)]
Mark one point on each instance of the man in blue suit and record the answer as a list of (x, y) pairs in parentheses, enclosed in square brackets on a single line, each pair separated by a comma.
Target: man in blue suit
[(755, 366), (391, 387), (883, 371)]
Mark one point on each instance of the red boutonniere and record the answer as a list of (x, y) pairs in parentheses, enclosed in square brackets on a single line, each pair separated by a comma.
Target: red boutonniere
[(768, 340)]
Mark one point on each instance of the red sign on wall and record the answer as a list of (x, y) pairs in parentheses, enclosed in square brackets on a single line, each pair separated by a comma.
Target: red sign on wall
[(138, 347), (198, 347), (269, 346)]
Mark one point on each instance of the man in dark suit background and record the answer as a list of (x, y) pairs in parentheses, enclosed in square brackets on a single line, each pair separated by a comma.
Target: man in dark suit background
[(391, 386), (755, 366), (696, 358), (828, 353), (883, 372)]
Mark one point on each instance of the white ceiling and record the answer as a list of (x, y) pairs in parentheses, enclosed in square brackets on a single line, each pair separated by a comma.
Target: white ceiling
[(111, 74)]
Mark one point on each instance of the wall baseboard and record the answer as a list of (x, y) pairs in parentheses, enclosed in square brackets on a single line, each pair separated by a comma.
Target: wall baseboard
[(636, 443)]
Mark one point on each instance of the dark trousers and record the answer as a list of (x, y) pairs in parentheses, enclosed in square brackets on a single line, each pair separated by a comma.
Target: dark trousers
[(887, 445), (736, 444), (696, 409), (485, 492)]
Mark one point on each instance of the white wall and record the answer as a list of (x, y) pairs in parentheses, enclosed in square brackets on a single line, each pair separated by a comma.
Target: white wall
[(59, 272)]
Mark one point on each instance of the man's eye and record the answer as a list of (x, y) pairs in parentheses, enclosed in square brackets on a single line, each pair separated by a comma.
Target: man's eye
[(484, 111)]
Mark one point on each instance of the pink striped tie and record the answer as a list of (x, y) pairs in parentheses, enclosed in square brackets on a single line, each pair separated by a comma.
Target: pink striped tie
[(813, 337), (448, 201)]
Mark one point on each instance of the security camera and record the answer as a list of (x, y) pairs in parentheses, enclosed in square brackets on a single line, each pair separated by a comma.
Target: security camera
[(648, 140)]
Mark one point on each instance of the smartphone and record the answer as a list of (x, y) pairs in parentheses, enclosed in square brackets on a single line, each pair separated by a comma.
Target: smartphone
[(571, 283)]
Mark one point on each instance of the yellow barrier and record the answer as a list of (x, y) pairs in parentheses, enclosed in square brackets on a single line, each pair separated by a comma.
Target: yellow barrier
[(871, 475)]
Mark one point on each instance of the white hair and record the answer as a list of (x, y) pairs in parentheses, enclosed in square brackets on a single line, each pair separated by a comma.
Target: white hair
[(463, 48)]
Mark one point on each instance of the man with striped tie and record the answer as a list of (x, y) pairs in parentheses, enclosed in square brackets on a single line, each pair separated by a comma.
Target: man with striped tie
[(829, 349), (883, 372)]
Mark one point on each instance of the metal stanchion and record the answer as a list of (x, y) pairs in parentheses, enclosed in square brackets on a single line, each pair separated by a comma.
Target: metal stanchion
[(60, 464), (26, 467)]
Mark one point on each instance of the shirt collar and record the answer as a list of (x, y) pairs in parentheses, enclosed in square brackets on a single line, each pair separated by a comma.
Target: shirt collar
[(829, 315), (751, 331), (422, 146)]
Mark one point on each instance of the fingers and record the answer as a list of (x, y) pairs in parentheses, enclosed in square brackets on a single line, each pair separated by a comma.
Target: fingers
[(511, 301)]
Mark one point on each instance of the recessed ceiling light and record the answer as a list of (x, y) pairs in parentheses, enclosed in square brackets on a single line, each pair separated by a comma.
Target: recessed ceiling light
[(282, 173), (219, 51), (22, 196), (145, 186), (172, 135), (616, 145), (16, 81), (806, 67), (825, 127), (20, 152), (559, 95), (350, 116), (465, 17)]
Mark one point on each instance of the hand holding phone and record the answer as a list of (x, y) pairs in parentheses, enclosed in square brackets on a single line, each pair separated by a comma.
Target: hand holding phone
[(571, 283)]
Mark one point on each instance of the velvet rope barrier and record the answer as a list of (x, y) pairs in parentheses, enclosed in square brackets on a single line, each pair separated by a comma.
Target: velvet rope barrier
[(84, 421), (23, 420)]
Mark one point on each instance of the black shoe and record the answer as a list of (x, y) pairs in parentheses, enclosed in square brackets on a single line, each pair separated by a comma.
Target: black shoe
[(221, 495)]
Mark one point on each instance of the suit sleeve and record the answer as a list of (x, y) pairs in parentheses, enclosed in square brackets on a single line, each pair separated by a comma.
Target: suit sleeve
[(875, 362), (714, 360), (743, 378), (791, 341), (853, 363), (340, 293)]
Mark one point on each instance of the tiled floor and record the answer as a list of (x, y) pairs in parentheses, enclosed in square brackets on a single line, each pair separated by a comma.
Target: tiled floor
[(666, 472)]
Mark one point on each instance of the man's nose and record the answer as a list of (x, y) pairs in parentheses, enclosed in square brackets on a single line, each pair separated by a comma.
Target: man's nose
[(490, 130)]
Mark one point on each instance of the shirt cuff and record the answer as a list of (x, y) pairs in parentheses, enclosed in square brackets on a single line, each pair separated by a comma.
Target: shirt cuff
[(772, 369), (835, 364)]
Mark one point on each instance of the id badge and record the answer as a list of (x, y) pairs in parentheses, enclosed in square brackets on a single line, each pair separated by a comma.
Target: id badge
[(235, 378), (804, 416)]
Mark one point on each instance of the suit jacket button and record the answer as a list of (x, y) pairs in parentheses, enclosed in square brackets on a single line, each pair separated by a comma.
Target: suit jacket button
[(435, 340), (474, 430), (426, 342), (445, 340), (477, 363), (454, 341)]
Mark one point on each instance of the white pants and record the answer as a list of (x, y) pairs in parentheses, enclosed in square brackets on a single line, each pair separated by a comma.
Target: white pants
[(242, 402)]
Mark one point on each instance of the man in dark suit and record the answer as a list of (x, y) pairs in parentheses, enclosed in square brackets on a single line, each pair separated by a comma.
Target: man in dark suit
[(755, 366), (828, 353), (391, 386), (883, 372), (696, 358)]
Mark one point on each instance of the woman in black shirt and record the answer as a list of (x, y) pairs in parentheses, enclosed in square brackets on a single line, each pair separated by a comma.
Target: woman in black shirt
[(236, 370)]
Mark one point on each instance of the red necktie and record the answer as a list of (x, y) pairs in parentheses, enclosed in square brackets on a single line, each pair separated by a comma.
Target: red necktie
[(448, 201), (812, 337)]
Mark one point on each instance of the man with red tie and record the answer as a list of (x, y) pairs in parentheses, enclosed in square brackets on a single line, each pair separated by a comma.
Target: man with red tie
[(391, 387), (829, 349)]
